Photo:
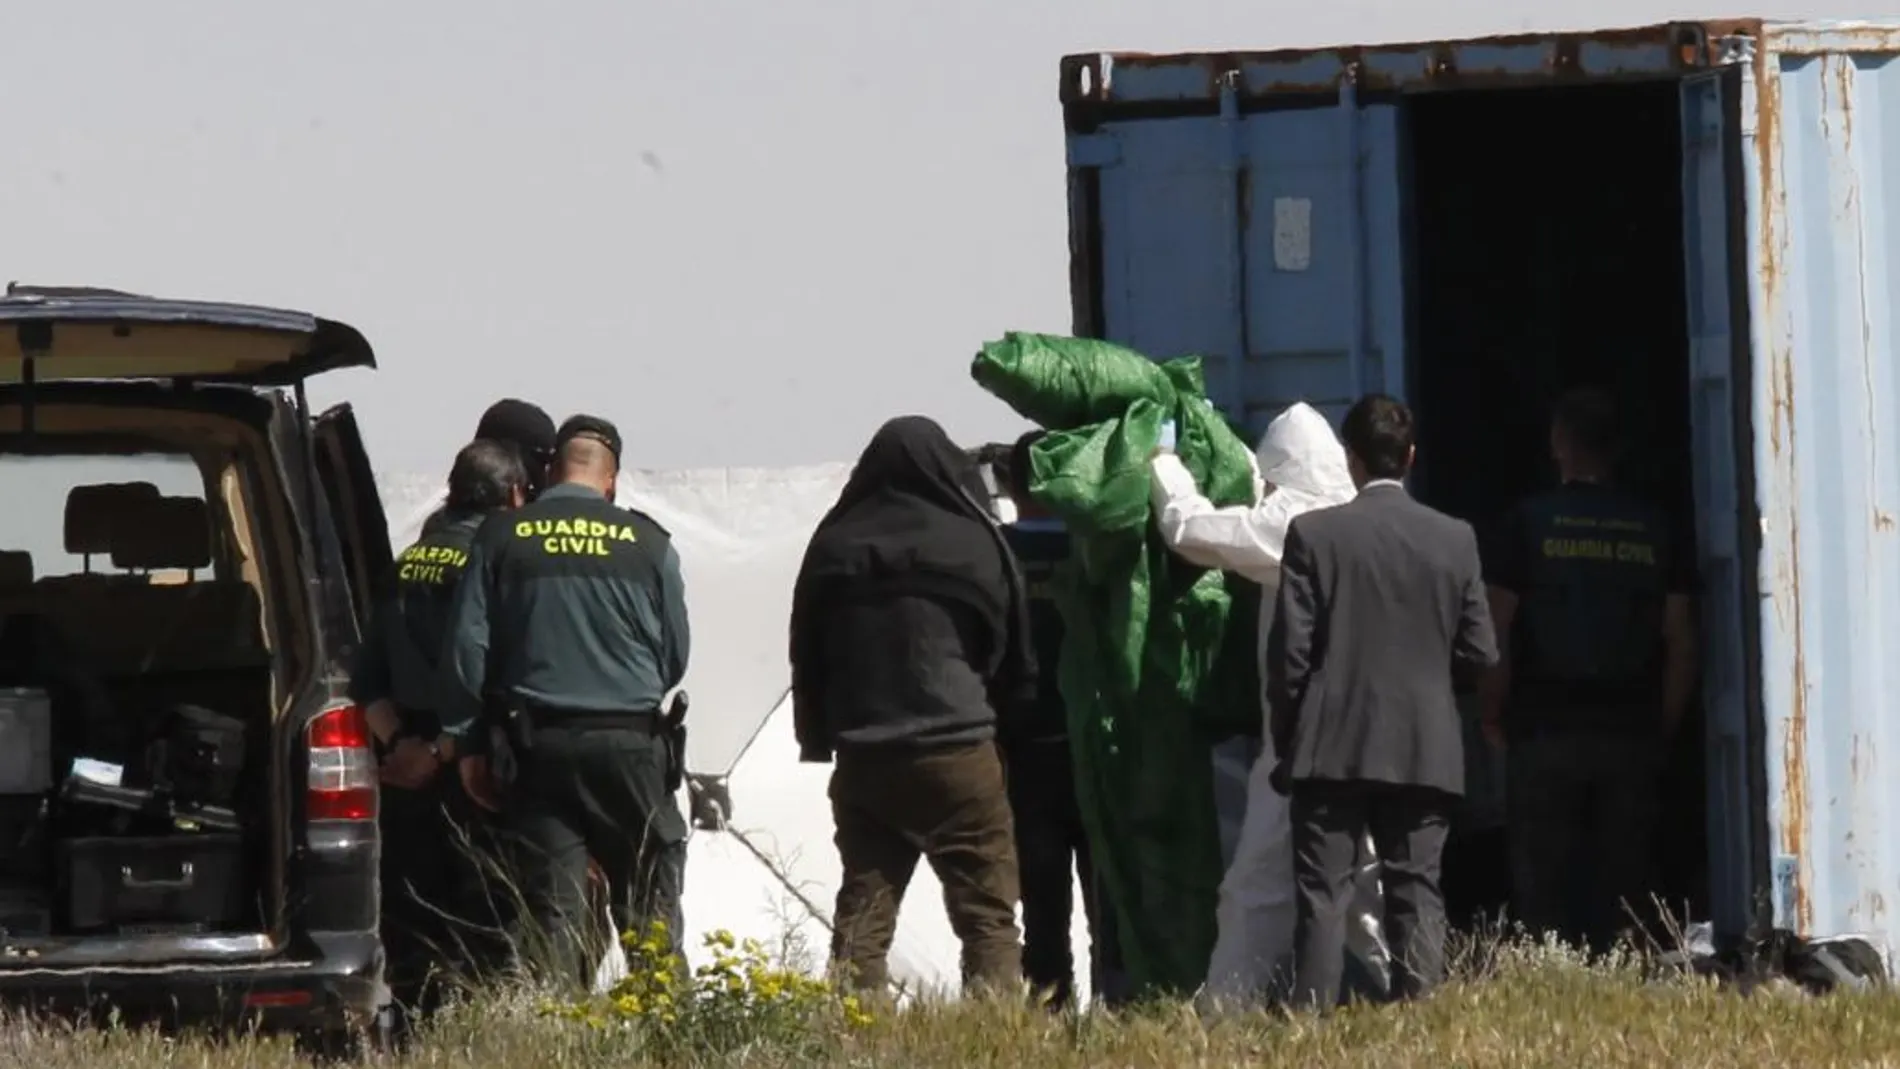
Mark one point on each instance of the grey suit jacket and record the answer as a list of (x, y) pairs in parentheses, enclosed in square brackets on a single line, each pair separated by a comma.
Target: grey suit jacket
[(1381, 601)]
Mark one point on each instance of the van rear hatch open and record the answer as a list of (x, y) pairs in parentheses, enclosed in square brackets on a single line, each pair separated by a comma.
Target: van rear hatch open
[(52, 334)]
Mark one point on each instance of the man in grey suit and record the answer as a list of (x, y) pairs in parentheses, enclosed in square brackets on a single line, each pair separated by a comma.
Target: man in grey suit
[(1381, 600)]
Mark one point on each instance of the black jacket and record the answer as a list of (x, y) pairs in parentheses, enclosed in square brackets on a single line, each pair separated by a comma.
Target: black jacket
[(910, 624)]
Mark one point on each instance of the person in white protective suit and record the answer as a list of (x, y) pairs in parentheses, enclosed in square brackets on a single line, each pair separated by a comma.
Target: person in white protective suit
[(1300, 466)]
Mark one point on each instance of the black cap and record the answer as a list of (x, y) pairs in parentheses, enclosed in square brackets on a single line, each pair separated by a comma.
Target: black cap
[(589, 427), (526, 426)]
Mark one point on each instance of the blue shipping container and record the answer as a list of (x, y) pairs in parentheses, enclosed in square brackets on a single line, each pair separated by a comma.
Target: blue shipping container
[(1322, 223)]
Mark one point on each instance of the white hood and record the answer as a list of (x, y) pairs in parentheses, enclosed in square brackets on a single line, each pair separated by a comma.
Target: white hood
[(1300, 453), (1303, 465)]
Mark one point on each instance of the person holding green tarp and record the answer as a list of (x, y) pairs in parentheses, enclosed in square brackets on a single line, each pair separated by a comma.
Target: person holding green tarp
[(1158, 660)]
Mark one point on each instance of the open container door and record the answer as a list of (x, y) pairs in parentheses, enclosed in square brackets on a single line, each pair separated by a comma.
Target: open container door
[(355, 508), (1712, 217), (1821, 168)]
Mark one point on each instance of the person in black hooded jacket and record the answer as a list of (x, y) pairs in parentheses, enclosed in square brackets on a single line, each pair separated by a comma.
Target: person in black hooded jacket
[(909, 637)]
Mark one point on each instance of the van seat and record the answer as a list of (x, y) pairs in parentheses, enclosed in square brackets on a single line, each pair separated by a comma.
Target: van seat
[(200, 624), (94, 514)]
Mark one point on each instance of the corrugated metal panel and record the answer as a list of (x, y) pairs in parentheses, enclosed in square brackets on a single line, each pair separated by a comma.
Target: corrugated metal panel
[(1823, 167), (1270, 244)]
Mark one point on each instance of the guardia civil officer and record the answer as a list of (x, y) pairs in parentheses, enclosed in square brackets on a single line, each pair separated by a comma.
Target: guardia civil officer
[(1591, 595), (434, 914), (568, 631)]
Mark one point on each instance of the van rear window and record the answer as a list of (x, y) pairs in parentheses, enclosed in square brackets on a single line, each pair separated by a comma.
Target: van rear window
[(118, 514)]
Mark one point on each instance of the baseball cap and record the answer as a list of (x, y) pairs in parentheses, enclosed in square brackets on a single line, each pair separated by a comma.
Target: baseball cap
[(594, 427), (525, 425)]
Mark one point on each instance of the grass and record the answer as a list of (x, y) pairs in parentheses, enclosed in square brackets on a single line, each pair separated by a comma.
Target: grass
[(1527, 1006)]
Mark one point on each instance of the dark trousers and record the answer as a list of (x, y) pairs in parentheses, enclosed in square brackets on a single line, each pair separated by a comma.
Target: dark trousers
[(599, 792), (1582, 812), (948, 805), (1051, 847), (1109, 982), (438, 914), (1408, 827), (1477, 878)]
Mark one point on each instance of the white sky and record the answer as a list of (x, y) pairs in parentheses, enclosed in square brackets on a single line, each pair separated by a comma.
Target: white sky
[(746, 231)]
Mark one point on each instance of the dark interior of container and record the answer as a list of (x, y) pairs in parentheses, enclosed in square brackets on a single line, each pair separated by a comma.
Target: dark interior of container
[(1547, 229)]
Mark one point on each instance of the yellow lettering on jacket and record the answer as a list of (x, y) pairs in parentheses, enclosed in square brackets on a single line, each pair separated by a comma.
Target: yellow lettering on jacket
[(1620, 551), (430, 574), (570, 546), (574, 528), (431, 565)]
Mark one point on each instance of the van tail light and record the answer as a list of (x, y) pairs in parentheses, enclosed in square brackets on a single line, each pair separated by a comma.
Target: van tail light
[(342, 775)]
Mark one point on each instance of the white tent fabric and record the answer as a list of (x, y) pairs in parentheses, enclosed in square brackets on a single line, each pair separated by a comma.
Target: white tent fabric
[(772, 875)]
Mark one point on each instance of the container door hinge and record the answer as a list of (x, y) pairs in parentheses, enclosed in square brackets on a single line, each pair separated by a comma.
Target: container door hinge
[(1786, 874), (1729, 51), (1239, 181), (1094, 150), (1230, 117)]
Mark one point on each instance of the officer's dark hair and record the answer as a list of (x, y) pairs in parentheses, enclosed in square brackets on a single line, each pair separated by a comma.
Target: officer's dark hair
[(486, 475), (1378, 431), (1019, 466), (1587, 419)]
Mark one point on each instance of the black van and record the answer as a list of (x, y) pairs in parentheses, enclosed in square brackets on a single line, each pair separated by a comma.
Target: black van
[(187, 798)]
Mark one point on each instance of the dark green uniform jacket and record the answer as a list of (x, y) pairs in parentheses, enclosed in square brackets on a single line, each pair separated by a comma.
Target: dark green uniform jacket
[(401, 653), (1590, 566), (570, 603)]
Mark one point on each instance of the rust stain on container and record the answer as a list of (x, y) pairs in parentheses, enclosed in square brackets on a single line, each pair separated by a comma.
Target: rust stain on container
[(1845, 37), (1444, 61), (1786, 594), (1211, 66)]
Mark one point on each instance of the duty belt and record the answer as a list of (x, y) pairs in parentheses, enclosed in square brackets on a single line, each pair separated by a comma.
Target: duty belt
[(547, 718)]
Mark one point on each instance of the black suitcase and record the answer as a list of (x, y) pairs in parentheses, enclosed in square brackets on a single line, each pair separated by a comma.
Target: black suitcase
[(181, 883), (91, 807), (199, 755)]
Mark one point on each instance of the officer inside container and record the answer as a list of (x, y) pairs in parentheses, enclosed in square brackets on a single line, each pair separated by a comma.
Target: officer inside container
[(1591, 596), (578, 608)]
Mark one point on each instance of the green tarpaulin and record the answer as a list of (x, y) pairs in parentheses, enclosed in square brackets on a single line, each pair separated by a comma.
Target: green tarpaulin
[(1159, 660)]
